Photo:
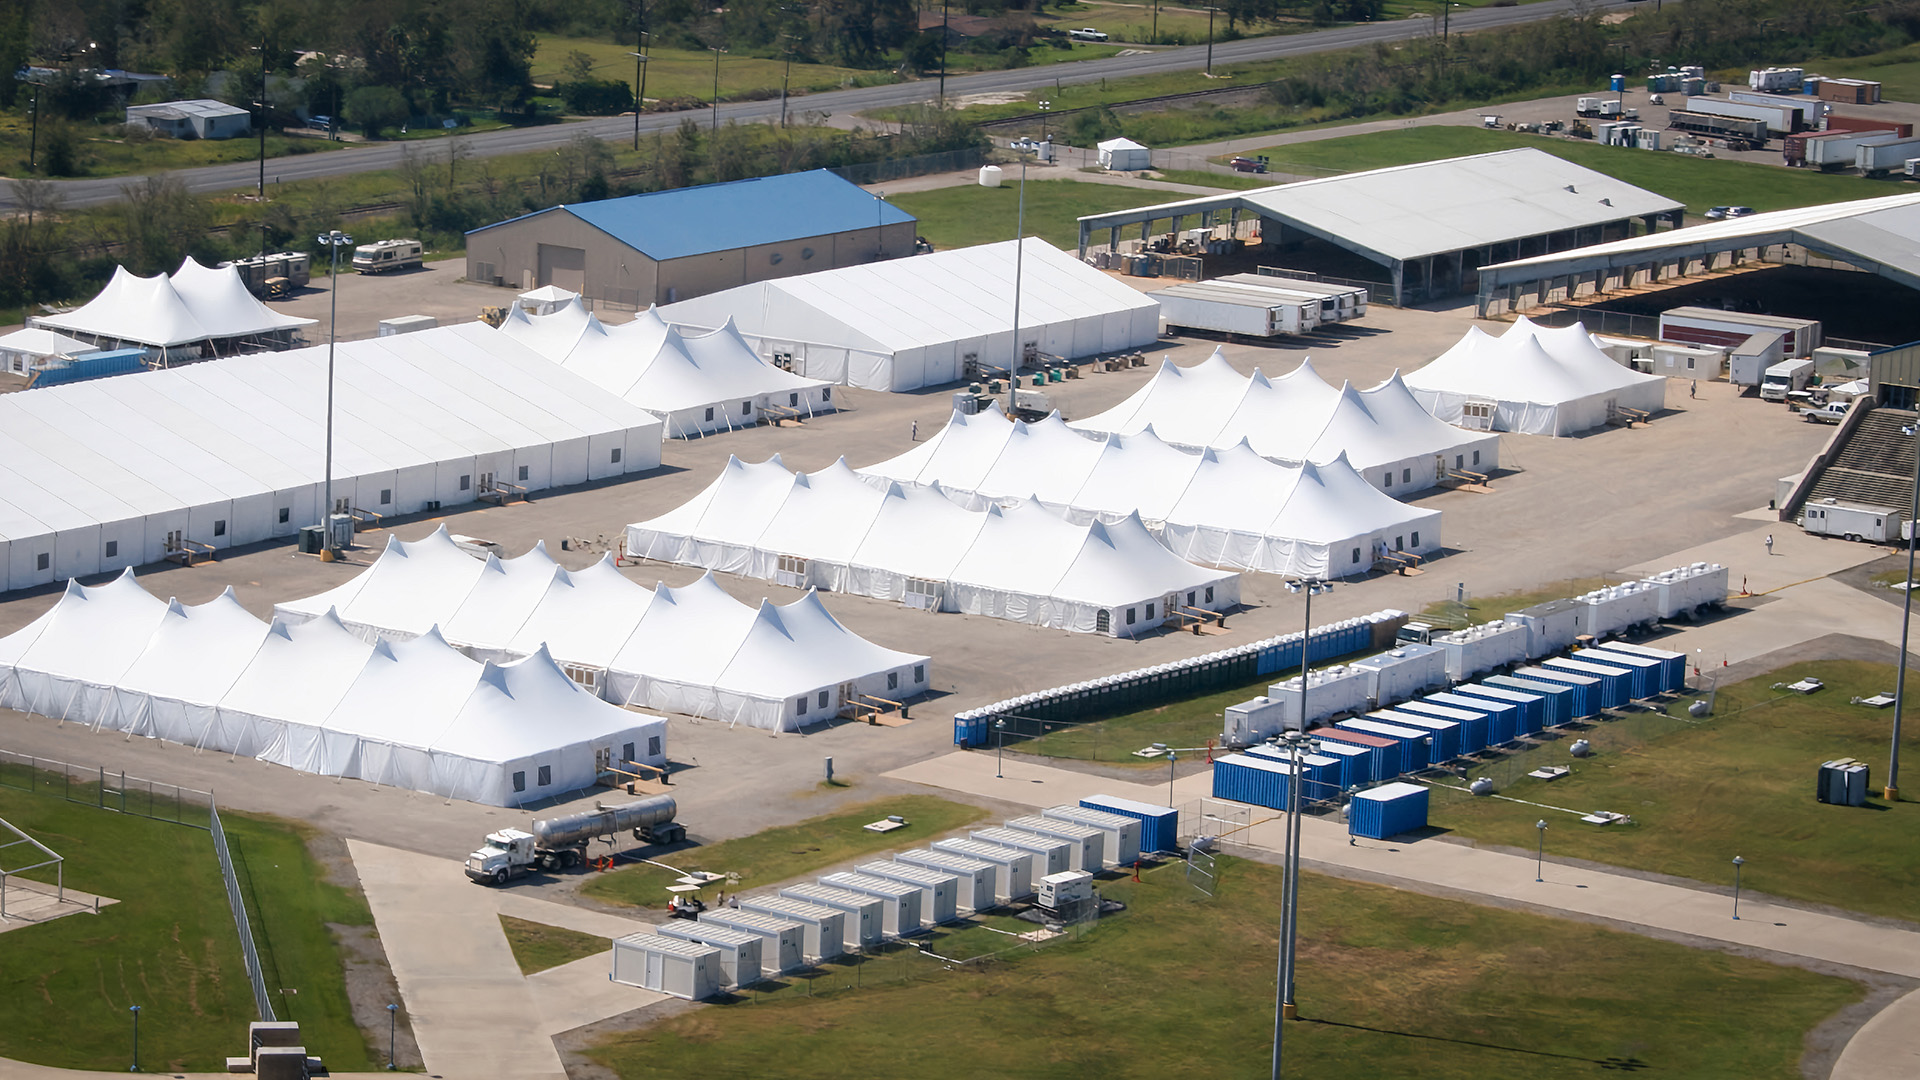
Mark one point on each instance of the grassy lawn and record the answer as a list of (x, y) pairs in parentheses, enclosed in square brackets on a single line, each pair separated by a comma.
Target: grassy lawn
[(970, 214), (101, 154), (1739, 783), (1187, 723), (1696, 182), (169, 945), (1485, 609), (1896, 70), (675, 73), (788, 851), (537, 946), (1390, 984), (1227, 181)]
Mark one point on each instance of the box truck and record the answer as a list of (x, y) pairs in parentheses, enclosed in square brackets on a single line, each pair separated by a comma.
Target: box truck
[(1784, 378)]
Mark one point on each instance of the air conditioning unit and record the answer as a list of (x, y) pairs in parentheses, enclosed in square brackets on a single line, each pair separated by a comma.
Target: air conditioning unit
[(340, 531)]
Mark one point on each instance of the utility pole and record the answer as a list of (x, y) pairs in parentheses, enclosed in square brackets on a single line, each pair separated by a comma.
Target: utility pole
[(639, 87), (1210, 12), (943, 53), (717, 50), (263, 121)]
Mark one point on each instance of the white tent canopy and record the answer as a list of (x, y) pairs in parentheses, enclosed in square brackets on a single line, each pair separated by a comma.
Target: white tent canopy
[(915, 545), (908, 323), (414, 713), (684, 650), (695, 383), (1533, 379), (1382, 432), (197, 304), (1229, 508)]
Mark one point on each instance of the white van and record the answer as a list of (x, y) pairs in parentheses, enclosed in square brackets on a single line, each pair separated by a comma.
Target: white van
[(1785, 377), (386, 255)]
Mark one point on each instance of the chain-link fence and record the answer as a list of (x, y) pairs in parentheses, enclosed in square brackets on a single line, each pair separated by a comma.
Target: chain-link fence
[(880, 172), (237, 902), (95, 785), (1613, 733)]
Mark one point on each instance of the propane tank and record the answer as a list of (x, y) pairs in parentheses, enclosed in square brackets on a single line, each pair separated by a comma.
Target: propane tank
[(1481, 786), (569, 830), (1580, 748)]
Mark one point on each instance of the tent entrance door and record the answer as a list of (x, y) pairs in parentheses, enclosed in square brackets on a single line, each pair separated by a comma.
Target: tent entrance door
[(849, 693), (1169, 604), (602, 758)]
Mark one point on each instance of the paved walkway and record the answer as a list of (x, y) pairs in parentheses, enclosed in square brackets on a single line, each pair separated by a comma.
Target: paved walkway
[(1886, 1047)]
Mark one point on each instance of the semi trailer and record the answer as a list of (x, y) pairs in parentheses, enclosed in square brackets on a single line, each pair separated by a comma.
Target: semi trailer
[(560, 843)]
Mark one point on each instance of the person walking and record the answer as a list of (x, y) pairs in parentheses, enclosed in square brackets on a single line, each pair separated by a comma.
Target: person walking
[(916, 431), (1769, 543), (1694, 390)]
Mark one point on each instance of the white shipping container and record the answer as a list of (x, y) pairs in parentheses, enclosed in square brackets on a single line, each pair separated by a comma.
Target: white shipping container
[(976, 877), (1482, 648), (783, 945), (1779, 119), (865, 924), (1050, 856), (1088, 842), (1689, 590), (1551, 626), (1331, 691), (901, 915), (1235, 309), (1618, 607), (1122, 832), (1013, 869), (1810, 109), (1688, 361), (824, 928), (939, 890), (1400, 673), (739, 950), (665, 965)]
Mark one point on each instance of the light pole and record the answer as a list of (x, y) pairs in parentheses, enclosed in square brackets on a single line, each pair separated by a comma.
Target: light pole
[(786, 79), (263, 121), (333, 241), (717, 50), (1045, 108), (880, 221), (1296, 744), (1892, 790), (33, 141), (639, 87), (393, 1022), (1210, 12), (1172, 757), (135, 1067), (1540, 853), (1738, 862), (1000, 750), (943, 53), (1019, 258)]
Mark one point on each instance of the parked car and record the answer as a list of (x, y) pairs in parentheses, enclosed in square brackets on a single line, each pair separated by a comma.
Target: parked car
[(1715, 213), (1087, 33), (1249, 164), (1740, 211)]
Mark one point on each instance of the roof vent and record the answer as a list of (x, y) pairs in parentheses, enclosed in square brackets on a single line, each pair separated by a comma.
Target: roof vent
[(1573, 189), (1606, 202)]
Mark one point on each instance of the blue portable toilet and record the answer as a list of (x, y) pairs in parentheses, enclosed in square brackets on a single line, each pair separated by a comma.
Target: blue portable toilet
[(1618, 84), (1159, 825), (1388, 810)]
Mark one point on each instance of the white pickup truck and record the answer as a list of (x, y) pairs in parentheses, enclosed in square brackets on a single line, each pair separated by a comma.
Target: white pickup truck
[(1831, 413), (1086, 34)]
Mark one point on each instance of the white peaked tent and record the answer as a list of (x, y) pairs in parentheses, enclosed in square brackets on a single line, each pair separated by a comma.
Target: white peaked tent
[(1229, 507), (676, 649), (174, 689), (197, 304), (694, 382), (301, 672), (67, 663), (1383, 432), (915, 545), (1533, 379)]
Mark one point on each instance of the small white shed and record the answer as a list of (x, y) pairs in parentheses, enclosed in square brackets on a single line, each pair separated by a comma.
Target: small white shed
[(1089, 843), (939, 889), (783, 945), (1013, 868), (1124, 155), (1122, 833), (865, 924), (1050, 855), (739, 950), (901, 915), (682, 969), (823, 928), (975, 876)]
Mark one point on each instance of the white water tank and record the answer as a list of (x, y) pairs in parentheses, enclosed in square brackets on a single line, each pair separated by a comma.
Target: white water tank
[(989, 176)]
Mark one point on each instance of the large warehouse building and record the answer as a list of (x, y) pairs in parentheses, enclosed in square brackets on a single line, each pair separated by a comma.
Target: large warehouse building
[(1427, 227), (923, 321), (665, 246)]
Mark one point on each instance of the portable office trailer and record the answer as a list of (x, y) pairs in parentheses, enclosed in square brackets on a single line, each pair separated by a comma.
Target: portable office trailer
[(1050, 856), (740, 963), (682, 969), (1341, 688), (1122, 833), (1687, 591), (1673, 665), (1414, 745), (783, 942), (1558, 697), (1644, 675), (1383, 755), (1618, 608), (1388, 810), (1159, 825), (1503, 717), (901, 915), (823, 929), (1726, 329), (1551, 626), (975, 876), (1251, 721), (1476, 733), (1853, 521), (1532, 707), (1088, 842), (1616, 683), (1585, 689), (1749, 360), (1012, 867), (1443, 735), (865, 922), (1482, 648), (1253, 779), (939, 889), (1400, 673)]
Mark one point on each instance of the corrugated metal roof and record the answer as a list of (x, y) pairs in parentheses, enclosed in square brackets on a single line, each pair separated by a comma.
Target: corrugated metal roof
[(191, 107), (741, 213)]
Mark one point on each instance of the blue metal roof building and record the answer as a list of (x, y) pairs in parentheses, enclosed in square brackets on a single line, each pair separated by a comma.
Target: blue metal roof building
[(665, 246)]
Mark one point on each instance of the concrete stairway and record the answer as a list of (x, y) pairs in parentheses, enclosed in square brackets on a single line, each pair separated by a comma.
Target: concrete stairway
[(1875, 467)]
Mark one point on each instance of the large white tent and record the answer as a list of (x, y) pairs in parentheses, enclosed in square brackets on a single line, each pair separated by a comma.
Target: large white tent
[(915, 545), (909, 323), (694, 382), (1383, 432), (693, 650), (198, 311), (1533, 379), (1228, 507), (114, 473), (414, 713)]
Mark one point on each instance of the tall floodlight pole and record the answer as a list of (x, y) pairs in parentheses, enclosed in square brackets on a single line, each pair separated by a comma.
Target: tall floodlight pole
[(263, 122), (1296, 744), (1000, 748), (943, 53), (334, 241), (639, 87), (1540, 853), (1310, 586), (33, 140), (1210, 12), (393, 1023), (1738, 862), (1892, 791), (717, 50), (1019, 257)]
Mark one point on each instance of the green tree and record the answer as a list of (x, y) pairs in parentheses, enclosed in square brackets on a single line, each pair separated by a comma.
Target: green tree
[(372, 108)]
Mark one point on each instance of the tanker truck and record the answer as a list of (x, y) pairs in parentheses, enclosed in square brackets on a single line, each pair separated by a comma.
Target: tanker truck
[(561, 842)]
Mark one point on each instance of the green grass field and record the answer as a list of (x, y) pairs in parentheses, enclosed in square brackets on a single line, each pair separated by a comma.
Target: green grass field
[(101, 153), (788, 851), (1225, 181), (1696, 182), (970, 214), (1896, 70), (537, 946), (1739, 783), (1185, 724), (169, 945), (675, 73), (1391, 984)]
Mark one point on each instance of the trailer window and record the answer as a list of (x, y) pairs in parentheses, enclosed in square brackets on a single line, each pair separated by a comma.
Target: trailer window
[(42, 561), (1389, 480), (386, 496), (801, 710), (220, 527), (653, 746), (919, 673), (523, 474), (709, 415), (519, 781), (1131, 616), (1209, 594), (113, 548), (1416, 539), (616, 455), (823, 699), (466, 481), (893, 680), (285, 513), (546, 775), (626, 752), (1356, 555)]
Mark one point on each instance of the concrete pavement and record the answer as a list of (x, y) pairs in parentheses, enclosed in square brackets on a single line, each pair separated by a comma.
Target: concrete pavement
[(1886, 1047)]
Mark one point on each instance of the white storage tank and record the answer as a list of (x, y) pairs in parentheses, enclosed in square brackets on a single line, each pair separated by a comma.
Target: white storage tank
[(682, 969), (989, 176), (975, 876), (866, 917), (739, 950), (783, 942), (1088, 842), (1122, 832), (901, 915), (1013, 868), (1050, 856), (823, 928), (939, 890)]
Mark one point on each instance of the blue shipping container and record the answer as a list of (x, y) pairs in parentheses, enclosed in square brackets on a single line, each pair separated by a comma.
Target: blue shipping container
[(1159, 825), (1585, 689), (1413, 753), (1473, 723), (1503, 717), (1673, 665), (1388, 810), (1533, 707), (1443, 736), (1559, 697), (1254, 779), (1324, 773), (1382, 761), (1616, 684), (1643, 673)]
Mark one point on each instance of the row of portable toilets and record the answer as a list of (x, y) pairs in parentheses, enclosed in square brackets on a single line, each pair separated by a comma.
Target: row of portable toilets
[(1358, 753), (768, 936)]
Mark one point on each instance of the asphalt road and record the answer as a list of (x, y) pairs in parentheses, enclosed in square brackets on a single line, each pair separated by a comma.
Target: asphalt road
[(374, 156)]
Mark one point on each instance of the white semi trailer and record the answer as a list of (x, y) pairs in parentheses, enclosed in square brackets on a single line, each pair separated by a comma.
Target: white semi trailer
[(560, 843)]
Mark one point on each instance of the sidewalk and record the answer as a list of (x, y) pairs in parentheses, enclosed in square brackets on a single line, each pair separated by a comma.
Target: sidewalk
[(1886, 1047)]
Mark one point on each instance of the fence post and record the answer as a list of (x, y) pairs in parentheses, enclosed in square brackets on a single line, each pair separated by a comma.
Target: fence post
[(100, 793)]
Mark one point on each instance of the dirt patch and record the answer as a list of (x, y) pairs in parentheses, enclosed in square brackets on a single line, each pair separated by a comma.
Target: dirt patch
[(370, 983), (574, 1045)]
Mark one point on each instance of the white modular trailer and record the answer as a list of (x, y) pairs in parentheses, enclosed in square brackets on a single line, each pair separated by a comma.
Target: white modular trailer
[(1251, 721), (1695, 361), (1050, 856), (866, 916), (1618, 608), (1122, 832), (1853, 521), (1338, 303), (1400, 673), (1551, 626), (823, 928), (1330, 691), (1013, 875), (976, 876), (1482, 648), (1810, 110), (1885, 155), (739, 949), (1088, 842), (900, 916), (665, 965), (1229, 308), (1686, 591), (939, 889), (783, 942), (1727, 329)]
